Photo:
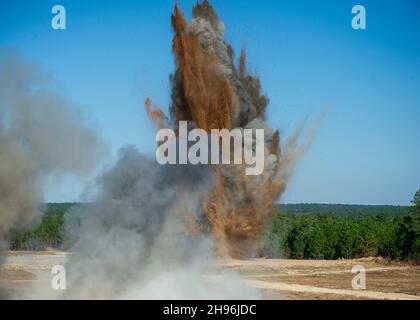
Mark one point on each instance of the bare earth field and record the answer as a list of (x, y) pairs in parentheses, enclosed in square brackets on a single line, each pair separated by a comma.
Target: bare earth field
[(277, 278)]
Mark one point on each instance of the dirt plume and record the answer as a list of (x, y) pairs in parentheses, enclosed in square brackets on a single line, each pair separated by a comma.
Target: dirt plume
[(211, 91)]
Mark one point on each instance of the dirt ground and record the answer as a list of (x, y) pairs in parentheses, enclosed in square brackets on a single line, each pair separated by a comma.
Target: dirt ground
[(277, 278), (326, 279)]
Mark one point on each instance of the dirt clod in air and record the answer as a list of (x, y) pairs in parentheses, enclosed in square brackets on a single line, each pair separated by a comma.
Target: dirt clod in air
[(211, 91)]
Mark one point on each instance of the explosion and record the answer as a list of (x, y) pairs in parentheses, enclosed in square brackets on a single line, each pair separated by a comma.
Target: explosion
[(209, 90), (151, 231)]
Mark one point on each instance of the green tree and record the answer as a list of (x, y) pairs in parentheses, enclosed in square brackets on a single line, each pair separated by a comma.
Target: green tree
[(414, 227), (416, 199), (408, 240)]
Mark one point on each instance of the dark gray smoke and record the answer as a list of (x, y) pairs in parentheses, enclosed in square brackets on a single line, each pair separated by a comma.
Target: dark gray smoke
[(41, 136), (137, 239)]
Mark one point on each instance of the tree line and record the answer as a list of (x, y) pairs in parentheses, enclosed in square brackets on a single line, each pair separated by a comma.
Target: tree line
[(296, 231), (50, 231), (333, 236)]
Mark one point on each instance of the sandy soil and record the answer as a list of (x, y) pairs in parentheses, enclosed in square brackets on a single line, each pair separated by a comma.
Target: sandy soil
[(277, 278), (323, 279), (21, 268)]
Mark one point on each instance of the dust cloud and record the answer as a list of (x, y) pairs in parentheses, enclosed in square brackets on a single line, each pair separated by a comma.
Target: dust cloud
[(213, 92)]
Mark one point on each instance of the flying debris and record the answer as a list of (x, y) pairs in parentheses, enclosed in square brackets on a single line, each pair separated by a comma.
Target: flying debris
[(211, 91)]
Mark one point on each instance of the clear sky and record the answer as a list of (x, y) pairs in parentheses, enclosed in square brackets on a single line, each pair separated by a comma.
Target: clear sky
[(114, 54)]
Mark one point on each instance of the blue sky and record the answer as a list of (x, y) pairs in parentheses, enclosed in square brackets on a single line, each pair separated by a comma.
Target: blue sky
[(114, 54)]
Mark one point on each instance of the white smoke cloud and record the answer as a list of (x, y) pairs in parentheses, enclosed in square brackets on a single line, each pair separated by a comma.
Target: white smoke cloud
[(40, 136), (133, 241)]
